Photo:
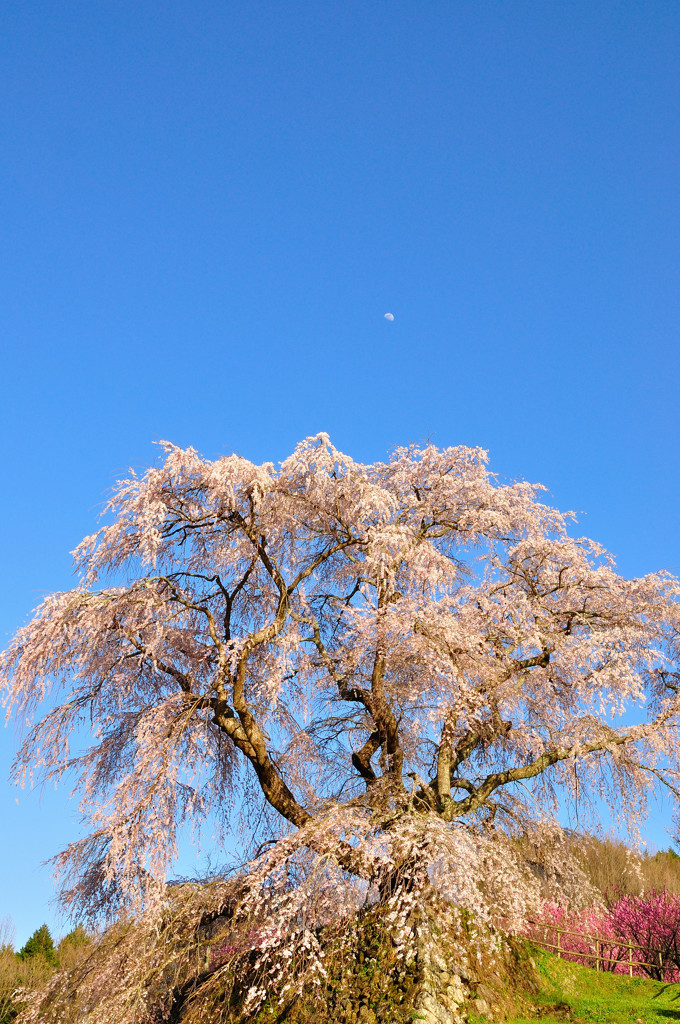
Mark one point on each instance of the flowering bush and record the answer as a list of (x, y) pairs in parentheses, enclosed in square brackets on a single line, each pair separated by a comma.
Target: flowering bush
[(652, 922), (638, 934)]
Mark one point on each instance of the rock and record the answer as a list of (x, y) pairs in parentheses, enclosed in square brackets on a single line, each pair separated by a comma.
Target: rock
[(455, 992), (430, 1010)]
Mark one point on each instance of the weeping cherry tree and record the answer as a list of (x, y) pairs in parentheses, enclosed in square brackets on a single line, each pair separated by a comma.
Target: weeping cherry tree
[(393, 676)]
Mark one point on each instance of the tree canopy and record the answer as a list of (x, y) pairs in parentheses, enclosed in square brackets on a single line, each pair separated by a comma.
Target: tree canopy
[(405, 664)]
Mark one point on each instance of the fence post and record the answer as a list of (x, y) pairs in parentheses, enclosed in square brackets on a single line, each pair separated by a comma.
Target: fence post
[(597, 953), (661, 970), (559, 950), (630, 959)]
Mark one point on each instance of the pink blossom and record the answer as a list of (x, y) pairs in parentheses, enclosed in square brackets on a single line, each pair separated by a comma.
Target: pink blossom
[(638, 935)]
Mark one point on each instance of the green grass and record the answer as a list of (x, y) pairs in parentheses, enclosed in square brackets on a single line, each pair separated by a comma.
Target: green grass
[(570, 992)]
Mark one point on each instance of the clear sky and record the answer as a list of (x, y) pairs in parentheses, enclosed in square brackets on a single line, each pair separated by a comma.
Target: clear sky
[(208, 207)]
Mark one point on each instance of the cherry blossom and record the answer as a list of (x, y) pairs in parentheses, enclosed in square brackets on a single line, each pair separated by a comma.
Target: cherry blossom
[(405, 665)]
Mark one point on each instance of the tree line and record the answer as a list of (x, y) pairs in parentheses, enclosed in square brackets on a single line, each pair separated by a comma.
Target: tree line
[(30, 967)]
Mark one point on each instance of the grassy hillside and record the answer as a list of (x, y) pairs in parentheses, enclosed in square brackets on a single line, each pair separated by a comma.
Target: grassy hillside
[(569, 992)]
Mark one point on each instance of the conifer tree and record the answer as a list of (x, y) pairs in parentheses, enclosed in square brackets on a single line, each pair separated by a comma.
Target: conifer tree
[(40, 944)]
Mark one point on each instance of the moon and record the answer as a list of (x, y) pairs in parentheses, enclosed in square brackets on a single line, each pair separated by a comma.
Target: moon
[(389, 316)]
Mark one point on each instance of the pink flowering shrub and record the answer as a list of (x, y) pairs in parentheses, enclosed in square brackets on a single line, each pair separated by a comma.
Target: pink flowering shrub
[(652, 922), (575, 935), (643, 929)]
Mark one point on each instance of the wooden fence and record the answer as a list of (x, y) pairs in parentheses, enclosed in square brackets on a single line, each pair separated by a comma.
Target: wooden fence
[(604, 950)]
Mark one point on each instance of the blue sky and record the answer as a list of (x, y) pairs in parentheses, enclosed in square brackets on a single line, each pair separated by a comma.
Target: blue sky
[(207, 207)]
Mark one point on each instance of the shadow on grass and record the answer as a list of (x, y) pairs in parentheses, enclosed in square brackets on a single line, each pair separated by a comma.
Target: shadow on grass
[(675, 989)]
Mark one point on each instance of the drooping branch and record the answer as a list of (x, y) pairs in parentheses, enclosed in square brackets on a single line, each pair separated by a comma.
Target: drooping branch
[(479, 797)]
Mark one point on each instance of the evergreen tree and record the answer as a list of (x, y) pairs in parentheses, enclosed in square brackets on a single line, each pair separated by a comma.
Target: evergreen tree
[(39, 944)]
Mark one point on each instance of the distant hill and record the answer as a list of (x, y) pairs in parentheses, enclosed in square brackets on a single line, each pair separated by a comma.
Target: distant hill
[(616, 870)]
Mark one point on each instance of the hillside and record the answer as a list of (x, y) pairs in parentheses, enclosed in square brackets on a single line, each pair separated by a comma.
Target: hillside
[(569, 992)]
